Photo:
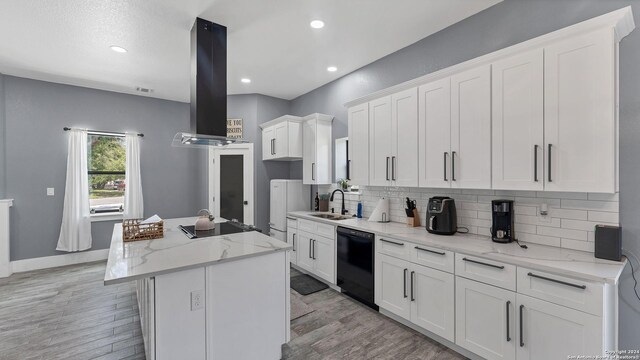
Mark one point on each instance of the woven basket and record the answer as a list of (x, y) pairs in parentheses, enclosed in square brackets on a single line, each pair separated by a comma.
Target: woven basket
[(133, 230)]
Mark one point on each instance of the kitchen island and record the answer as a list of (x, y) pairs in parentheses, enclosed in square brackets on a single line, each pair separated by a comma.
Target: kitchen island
[(223, 297)]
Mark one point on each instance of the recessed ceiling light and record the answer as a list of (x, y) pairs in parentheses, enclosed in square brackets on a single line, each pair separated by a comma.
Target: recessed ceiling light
[(245, 80), (118, 49), (317, 24), (332, 69)]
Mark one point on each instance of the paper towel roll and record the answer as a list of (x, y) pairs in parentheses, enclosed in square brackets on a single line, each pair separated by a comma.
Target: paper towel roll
[(381, 212)]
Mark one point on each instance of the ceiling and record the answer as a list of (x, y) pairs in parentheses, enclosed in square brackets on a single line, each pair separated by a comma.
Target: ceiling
[(269, 42)]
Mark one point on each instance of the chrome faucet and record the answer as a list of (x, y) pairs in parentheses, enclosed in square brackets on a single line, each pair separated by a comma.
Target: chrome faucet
[(343, 211)]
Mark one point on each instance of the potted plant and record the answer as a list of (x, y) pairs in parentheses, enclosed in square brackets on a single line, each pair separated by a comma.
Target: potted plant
[(344, 184), (324, 202)]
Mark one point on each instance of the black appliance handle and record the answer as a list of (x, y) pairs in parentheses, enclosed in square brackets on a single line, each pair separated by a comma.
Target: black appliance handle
[(535, 163), (404, 282), (483, 263), (453, 166), (557, 281), (392, 242), (549, 162), (444, 162), (521, 326), (431, 251), (412, 282), (508, 331)]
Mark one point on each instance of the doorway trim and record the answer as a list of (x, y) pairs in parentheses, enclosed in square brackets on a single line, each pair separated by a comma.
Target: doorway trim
[(213, 162)]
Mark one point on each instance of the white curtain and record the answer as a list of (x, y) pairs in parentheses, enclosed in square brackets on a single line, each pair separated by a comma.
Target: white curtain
[(133, 204), (75, 231)]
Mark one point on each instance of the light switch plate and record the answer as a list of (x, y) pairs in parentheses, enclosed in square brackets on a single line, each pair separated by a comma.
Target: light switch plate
[(197, 300), (50, 191)]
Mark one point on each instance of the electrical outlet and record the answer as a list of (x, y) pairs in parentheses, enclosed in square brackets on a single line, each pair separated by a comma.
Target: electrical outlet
[(50, 191), (197, 300)]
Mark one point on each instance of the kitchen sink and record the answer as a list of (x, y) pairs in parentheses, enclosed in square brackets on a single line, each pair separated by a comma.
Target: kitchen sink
[(331, 216)]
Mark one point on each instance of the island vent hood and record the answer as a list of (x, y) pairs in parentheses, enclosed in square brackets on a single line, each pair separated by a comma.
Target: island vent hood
[(208, 88)]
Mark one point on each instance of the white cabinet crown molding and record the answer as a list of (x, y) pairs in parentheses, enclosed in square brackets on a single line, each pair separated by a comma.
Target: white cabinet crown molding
[(9, 202), (319, 117), (620, 20), (279, 120)]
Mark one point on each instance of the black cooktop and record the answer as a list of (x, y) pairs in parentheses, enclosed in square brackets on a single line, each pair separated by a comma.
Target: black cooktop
[(225, 228)]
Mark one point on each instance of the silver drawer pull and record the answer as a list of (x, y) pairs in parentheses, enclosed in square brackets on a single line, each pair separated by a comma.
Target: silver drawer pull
[(431, 251), (558, 281), (392, 242), (482, 263)]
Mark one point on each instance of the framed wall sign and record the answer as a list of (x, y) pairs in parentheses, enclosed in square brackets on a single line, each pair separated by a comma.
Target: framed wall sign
[(234, 128)]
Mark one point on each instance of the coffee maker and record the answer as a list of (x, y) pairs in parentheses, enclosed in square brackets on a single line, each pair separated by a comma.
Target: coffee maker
[(502, 216)]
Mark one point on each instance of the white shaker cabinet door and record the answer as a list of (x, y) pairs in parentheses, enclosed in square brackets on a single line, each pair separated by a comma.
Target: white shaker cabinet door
[(268, 137), (325, 254), (471, 128), (404, 138), (358, 123), (518, 123), (309, 158), (485, 319), (380, 142), (434, 134), (292, 239), (392, 285), (303, 250), (431, 295), (281, 140), (550, 331), (580, 121)]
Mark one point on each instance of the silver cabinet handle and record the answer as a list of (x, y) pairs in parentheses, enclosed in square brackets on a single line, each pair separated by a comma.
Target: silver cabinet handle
[(273, 147), (349, 170), (549, 162), (393, 168), (453, 166), (405, 283), (313, 172), (535, 163), (412, 281), (521, 326), (313, 246), (483, 263), (310, 247), (294, 241), (387, 171), (444, 163), (392, 242), (431, 251), (508, 331), (558, 281)]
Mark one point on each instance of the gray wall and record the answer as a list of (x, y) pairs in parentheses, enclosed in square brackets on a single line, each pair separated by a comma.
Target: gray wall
[(502, 25), (2, 139), (255, 109), (173, 179)]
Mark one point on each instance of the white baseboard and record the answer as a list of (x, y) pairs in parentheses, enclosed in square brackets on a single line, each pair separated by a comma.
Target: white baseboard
[(59, 260)]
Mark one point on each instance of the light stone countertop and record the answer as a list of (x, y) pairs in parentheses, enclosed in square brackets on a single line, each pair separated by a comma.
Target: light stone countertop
[(579, 264), (146, 258)]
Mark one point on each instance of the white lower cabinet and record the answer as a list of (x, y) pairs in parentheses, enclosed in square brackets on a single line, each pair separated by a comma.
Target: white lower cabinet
[(485, 319), (550, 331), (417, 293), (316, 254), (292, 239)]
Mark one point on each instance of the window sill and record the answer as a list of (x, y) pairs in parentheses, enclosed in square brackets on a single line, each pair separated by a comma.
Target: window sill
[(106, 217)]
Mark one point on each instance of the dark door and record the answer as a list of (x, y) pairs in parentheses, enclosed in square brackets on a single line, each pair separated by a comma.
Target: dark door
[(232, 187)]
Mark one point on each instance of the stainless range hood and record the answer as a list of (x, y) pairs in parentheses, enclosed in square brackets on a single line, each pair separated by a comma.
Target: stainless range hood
[(208, 88)]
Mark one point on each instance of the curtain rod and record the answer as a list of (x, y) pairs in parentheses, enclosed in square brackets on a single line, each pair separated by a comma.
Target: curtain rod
[(98, 132)]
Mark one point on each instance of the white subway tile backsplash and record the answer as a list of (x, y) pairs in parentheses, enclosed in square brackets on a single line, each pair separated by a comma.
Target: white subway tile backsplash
[(569, 223)]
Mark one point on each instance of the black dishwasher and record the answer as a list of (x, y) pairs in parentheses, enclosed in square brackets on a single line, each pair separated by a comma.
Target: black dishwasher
[(355, 265)]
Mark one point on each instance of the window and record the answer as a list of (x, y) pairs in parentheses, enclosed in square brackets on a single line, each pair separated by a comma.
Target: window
[(106, 158)]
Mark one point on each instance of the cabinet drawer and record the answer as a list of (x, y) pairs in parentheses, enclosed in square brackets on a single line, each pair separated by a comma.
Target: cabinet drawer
[(576, 294), (393, 247), (306, 225), (432, 257), (292, 222), (486, 271), (326, 231)]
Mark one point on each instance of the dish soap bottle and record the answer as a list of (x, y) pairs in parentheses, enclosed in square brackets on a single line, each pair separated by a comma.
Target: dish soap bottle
[(317, 206)]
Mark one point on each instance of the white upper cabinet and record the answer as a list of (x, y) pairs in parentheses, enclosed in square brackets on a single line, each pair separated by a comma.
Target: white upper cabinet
[(404, 138), (317, 149), (580, 113), (434, 134), (358, 123), (282, 138), (380, 142), (471, 129), (393, 140), (518, 124)]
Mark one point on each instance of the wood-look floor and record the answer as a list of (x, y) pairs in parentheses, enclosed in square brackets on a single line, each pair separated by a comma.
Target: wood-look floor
[(67, 313)]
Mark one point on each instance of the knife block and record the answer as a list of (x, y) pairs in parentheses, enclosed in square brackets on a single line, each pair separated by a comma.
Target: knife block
[(415, 220)]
